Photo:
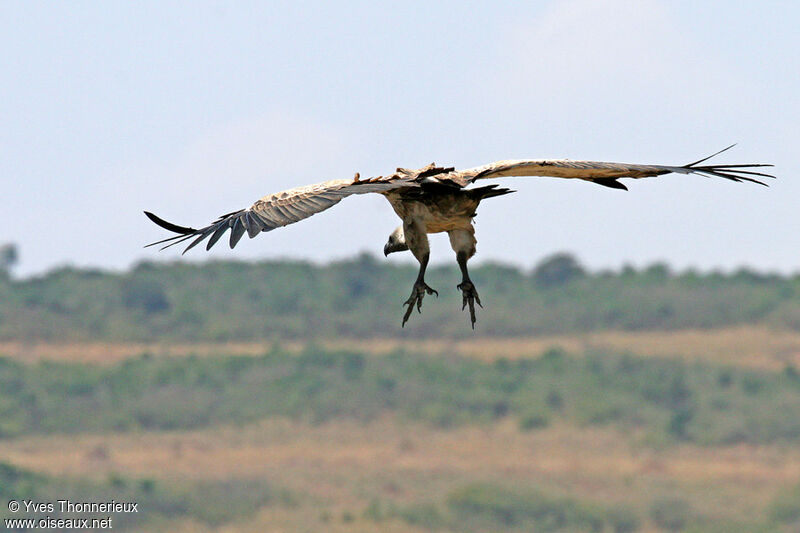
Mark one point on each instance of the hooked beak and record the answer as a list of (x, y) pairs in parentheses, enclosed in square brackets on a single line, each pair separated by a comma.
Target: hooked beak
[(391, 248)]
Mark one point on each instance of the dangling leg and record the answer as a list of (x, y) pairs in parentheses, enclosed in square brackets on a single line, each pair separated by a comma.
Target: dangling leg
[(463, 243), (468, 291), (417, 241), (419, 290)]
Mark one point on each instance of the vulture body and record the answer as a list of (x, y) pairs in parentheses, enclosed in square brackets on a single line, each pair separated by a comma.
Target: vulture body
[(431, 199)]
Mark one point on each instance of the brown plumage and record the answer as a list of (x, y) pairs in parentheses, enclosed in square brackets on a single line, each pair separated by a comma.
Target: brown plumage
[(431, 199)]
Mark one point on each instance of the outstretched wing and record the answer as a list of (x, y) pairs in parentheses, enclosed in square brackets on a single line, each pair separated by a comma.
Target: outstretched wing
[(287, 207), (278, 210), (607, 174)]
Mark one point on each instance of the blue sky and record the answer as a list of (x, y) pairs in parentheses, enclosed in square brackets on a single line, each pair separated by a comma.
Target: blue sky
[(194, 109)]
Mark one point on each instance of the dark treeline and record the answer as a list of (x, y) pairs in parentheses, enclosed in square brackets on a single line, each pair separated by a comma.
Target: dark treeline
[(362, 297)]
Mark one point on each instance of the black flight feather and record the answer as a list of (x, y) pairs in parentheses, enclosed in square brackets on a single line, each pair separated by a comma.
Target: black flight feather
[(610, 182), (169, 225)]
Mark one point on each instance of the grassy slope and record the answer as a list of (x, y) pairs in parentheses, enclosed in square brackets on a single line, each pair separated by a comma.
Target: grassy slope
[(406, 470)]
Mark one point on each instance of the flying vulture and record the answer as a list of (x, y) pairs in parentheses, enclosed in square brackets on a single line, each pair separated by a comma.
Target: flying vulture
[(431, 199)]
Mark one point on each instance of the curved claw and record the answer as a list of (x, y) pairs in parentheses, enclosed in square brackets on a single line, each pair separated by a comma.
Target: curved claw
[(470, 297), (417, 294)]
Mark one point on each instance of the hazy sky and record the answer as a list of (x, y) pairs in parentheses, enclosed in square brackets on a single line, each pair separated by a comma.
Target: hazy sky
[(194, 109)]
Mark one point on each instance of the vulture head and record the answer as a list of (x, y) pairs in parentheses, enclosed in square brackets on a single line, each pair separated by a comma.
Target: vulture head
[(396, 242)]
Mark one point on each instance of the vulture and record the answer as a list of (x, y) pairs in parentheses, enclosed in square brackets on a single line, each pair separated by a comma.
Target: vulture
[(431, 199)]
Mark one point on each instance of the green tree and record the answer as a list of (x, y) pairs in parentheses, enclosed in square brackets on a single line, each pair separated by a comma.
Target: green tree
[(557, 269), (144, 294), (8, 256)]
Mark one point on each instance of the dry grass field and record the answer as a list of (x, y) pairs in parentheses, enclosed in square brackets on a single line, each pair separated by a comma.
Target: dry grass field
[(338, 468), (746, 346)]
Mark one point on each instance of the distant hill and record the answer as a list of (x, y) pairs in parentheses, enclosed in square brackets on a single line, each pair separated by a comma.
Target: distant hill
[(362, 297)]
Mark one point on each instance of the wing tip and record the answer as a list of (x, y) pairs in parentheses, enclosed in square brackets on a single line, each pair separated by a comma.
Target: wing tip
[(734, 172)]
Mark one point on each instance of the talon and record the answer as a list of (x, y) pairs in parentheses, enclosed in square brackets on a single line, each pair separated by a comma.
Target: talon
[(417, 294), (470, 297)]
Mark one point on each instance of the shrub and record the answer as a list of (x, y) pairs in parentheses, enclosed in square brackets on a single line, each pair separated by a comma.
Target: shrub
[(484, 503), (672, 514), (535, 420), (424, 515), (623, 520), (785, 507), (17, 484)]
